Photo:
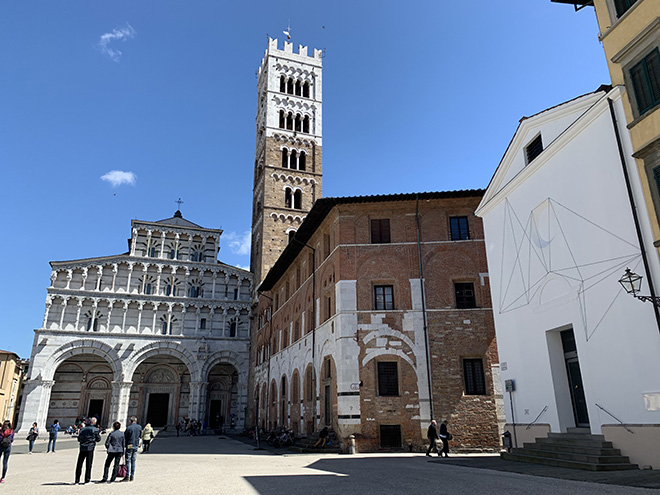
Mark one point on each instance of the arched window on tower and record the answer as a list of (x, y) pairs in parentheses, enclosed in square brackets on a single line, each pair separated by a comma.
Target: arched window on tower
[(285, 158), (306, 124), (289, 86), (297, 200), (306, 89), (289, 121), (302, 159), (282, 119), (298, 123), (287, 198), (298, 88), (282, 84), (294, 160), (292, 234)]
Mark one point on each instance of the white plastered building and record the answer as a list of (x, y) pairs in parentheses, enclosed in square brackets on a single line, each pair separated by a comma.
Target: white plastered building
[(560, 232)]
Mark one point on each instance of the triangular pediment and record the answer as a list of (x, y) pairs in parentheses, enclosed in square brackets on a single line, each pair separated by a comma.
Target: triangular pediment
[(550, 125)]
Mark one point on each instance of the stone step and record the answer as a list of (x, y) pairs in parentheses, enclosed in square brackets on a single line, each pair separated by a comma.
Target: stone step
[(588, 466), (568, 456), (572, 448), (575, 441), (578, 436)]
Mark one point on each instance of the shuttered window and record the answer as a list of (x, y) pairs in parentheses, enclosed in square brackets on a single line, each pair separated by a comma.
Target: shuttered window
[(534, 148), (380, 231), (645, 77), (388, 379), (473, 374)]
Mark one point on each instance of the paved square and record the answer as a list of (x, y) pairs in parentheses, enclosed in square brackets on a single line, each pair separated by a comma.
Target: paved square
[(208, 464)]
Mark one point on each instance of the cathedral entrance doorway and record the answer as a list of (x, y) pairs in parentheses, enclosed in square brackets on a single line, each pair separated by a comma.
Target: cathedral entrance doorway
[(157, 409), (160, 394), (222, 396), (82, 389)]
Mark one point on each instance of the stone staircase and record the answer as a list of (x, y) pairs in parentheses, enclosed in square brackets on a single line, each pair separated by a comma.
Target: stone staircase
[(577, 449)]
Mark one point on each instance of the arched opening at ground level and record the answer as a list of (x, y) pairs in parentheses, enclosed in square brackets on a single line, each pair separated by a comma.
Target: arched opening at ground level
[(82, 388), (161, 391), (222, 397)]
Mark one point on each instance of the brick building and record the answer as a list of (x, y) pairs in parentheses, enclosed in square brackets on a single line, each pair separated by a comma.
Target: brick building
[(341, 324)]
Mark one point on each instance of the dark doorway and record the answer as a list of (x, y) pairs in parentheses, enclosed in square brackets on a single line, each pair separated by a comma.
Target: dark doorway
[(216, 414), (157, 409), (575, 378), (95, 409), (390, 436)]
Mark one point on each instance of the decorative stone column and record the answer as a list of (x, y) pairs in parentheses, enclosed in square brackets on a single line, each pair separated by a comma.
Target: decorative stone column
[(121, 394), (134, 241), (48, 305), (197, 406), (36, 399)]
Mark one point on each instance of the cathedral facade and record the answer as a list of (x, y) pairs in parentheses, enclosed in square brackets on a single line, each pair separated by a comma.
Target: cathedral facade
[(160, 332)]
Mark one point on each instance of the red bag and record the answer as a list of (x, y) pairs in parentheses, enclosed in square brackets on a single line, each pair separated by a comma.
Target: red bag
[(122, 472)]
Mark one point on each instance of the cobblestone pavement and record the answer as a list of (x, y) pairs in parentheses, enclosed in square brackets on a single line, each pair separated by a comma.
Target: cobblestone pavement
[(213, 465)]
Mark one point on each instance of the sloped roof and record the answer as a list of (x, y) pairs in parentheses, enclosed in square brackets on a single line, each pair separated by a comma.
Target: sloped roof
[(179, 221), (321, 209)]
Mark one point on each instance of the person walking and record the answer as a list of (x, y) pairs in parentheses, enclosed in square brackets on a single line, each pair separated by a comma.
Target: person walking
[(88, 437), (115, 444), (132, 436), (147, 436), (432, 435), (32, 436), (52, 435), (445, 436), (6, 439)]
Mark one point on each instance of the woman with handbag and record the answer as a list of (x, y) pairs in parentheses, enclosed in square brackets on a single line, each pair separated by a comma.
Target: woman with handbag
[(32, 436), (6, 439), (115, 444)]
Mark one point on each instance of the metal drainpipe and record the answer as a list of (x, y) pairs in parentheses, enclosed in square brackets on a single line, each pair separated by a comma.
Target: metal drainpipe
[(633, 208), (421, 286)]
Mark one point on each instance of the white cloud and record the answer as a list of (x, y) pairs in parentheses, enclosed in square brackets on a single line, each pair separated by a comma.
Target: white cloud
[(117, 34), (247, 268), (119, 177), (239, 243)]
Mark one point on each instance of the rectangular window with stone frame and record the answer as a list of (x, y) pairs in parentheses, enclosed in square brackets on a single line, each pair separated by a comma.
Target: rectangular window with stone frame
[(473, 376), (380, 231), (388, 378), (383, 297)]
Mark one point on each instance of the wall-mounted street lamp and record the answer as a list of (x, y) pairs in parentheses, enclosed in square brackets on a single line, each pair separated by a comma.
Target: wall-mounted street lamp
[(632, 283)]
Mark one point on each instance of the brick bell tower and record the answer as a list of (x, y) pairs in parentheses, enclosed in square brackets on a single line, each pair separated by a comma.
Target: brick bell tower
[(287, 163)]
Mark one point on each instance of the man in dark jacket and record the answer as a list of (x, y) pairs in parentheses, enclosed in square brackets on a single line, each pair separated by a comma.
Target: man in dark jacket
[(132, 435), (432, 435), (88, 437)]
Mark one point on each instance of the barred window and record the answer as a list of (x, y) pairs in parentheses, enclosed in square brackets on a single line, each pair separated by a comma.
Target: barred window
[(473, 371), (388, 378), (465, 295)]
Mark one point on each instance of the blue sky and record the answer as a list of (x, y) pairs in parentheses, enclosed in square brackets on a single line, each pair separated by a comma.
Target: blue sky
[(417, 96)]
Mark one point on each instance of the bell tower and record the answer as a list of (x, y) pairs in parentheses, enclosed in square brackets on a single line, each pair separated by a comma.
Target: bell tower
[(287, 163)]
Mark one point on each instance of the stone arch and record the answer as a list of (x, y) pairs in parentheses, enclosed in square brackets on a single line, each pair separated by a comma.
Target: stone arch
[(222, 357), (164, 348), (83, 346)]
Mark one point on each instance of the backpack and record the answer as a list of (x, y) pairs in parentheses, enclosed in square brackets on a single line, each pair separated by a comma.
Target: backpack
[(6, 442), (52, 430)]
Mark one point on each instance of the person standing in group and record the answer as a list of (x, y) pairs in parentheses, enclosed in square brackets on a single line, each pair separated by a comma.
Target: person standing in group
[(132, 435), (6, 439), (147, 436), (88, 437), (52, 435), (445, 436), (432, 435), (115, 443), (32, 436)]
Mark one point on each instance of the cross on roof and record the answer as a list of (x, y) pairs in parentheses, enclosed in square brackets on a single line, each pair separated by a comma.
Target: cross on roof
[(179, 203)]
